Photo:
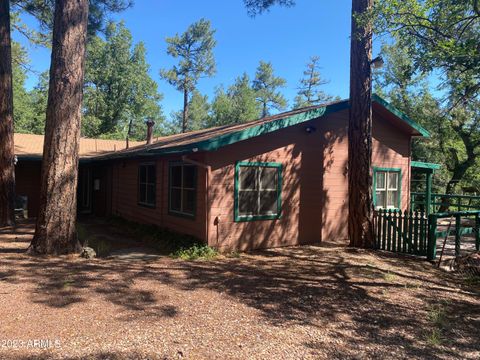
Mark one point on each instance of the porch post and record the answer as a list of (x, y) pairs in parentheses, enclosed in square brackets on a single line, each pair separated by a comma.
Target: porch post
[(428, 193)]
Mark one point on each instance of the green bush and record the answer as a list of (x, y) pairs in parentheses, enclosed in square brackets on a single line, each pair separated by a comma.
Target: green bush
[(194, 252)]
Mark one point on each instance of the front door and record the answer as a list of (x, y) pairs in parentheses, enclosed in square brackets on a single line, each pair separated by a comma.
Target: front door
[(84, 190)]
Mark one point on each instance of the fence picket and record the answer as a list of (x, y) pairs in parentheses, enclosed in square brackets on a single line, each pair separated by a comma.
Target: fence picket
[(384, 229), (394, 231), (415, 232), (389, 234), (405, 233), (399, 231), (379, 230), (423, 234)]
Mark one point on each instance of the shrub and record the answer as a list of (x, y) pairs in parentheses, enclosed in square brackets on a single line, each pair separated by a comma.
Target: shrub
[(196, 251)]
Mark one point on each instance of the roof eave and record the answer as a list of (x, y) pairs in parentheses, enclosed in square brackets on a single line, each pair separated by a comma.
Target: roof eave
[(254, 131), (420, 131)]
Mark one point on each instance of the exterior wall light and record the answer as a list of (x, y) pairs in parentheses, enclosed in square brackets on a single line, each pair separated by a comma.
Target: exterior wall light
[(377, 63), (310, 129)]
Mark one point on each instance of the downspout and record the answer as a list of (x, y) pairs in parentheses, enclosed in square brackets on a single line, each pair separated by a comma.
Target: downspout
[(208, 170)]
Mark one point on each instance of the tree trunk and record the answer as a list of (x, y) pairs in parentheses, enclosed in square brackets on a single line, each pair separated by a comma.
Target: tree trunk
[(360, 219), (7, 150), (185, 110), (55, 231), (264, 109)]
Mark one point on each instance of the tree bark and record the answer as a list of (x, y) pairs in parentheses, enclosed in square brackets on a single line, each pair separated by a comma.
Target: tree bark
[(55, 231), (7, 150), (360, 220), (185, 110)]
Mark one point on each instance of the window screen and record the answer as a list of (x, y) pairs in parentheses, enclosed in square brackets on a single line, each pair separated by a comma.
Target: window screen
[(258, 190), (387, 189), (146, 184), (182, 189)]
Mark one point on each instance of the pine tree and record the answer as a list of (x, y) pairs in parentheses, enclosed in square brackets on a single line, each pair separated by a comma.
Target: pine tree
[(194, 49), (236, 105), (119, 92), (309, 92), (360, 204), (266, 86), (7, 172), (55, 231)]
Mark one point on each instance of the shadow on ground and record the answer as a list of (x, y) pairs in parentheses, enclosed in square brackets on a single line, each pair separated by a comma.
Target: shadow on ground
[(369, 300)]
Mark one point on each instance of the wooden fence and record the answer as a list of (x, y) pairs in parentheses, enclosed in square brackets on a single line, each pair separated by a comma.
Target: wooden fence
[(412, 232), (405, 232)]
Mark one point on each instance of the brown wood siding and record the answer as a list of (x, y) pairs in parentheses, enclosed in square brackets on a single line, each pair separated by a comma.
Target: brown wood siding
[(314, 191), (391, 149), (27, 182), (125, 197)]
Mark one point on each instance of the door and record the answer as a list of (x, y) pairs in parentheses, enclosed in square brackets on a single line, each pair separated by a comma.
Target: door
[(85, 190)]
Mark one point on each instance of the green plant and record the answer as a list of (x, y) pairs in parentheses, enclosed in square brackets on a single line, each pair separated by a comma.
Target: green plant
[(389, 277), (434, 337), (234, 254), (197, 251), (68, 282), (436, 315)]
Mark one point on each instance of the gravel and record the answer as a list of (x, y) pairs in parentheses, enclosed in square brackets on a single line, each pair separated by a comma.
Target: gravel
[(306, 302)]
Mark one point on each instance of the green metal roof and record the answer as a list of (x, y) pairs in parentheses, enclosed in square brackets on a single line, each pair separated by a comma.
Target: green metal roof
[(254, 131), (425, 165)]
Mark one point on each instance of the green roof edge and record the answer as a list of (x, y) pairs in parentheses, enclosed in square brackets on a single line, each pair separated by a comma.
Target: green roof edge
[(401, 115), (425, 165), (261, 129)]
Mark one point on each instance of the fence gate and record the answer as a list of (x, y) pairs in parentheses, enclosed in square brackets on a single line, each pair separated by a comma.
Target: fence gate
[(404, 232)]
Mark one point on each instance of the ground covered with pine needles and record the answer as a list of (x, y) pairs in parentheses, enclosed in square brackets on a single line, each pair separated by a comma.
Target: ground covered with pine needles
[(294, 303)]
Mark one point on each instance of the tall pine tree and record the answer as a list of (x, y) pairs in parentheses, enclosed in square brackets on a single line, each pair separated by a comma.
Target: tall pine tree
[(309, 91), (266, 86), (194, 49), (7, 167), (55, 231)]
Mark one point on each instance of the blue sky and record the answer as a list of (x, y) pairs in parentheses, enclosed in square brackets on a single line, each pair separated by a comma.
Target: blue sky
[(287, 37)]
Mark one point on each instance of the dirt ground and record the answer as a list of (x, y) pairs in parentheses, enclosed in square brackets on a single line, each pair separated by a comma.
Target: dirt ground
[(293, 303)]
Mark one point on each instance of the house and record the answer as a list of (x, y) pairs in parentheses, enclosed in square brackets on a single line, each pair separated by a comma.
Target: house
[(278, 181)]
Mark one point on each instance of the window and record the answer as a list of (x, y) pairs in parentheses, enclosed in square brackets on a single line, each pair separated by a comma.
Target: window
[(146, 184), (387, 188), (182, 189), (257, 191)]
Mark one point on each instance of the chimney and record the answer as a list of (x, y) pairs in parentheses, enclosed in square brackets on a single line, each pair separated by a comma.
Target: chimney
[(150, 124)]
